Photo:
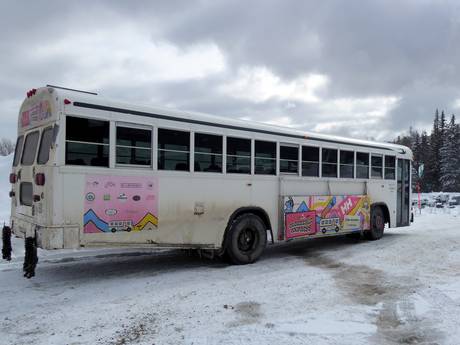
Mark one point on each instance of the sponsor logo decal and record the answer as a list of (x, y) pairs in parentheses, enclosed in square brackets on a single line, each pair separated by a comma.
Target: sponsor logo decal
[(109, 184), (111, 212), (90, 196), (122, 197)]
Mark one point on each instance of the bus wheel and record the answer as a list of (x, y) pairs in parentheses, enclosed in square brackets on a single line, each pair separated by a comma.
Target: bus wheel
[(246, 239), (377, 225)]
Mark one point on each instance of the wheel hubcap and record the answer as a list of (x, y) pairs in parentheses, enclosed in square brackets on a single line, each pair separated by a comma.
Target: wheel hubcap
[(246, 240)]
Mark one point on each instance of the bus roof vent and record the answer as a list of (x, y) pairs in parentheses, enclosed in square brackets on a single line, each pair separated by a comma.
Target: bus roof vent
[(65, 88)]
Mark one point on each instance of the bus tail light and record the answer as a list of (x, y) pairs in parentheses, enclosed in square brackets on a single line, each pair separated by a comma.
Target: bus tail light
[(32, 92), (36, 198), (13, 178), (40, 179), (67, 101)]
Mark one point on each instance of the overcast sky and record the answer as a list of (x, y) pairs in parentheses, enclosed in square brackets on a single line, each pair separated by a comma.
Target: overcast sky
[(366, 69)]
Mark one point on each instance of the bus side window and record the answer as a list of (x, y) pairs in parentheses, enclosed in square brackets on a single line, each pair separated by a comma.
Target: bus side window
[(289, 159), (134, 146), (238, 156), (376, 166), (45, 146), (329, 162), (87, 142), (310, 161), (347, 164), (362, 165), (173, 150), (208, 152), (265, 158), (390, 167)]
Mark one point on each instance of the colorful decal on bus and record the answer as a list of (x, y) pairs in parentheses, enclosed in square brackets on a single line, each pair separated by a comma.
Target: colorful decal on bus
[(37, 113), (321, 215), (120, 204)]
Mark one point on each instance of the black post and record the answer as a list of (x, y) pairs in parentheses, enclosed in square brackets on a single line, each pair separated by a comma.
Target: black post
[(6, 239), (30, 257)]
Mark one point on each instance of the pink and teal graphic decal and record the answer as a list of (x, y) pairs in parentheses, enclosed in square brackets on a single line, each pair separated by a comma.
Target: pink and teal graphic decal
[(321, 215), (120, 203), (298, 224)]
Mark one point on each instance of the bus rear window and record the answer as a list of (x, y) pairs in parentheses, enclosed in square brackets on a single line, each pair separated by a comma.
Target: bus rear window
[(30, 148), (25, 193), (18, 150), (45, 146)]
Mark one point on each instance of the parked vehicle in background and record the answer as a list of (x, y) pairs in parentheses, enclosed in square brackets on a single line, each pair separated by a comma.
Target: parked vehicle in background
[(92, 172), (455, 200)]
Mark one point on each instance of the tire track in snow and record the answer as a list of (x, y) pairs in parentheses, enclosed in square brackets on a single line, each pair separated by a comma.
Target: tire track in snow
[(396, 320)]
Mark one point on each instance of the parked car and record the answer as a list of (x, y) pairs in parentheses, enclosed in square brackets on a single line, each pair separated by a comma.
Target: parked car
[(452, 204), (455, 200)]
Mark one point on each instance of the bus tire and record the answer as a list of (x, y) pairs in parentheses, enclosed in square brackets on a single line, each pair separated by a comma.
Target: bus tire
[(246, 239), (377, 224)]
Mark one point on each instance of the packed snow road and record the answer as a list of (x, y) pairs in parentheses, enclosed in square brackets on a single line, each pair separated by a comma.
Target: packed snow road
[(403, 289)]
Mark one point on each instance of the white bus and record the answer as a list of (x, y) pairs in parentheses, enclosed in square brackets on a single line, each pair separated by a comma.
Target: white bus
[(92, 172)]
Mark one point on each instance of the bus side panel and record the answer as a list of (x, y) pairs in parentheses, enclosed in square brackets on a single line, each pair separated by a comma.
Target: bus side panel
[(196, 210), (193, 210), (384, 192)]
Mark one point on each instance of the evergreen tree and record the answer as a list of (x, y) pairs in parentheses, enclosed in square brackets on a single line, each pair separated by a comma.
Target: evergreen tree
[(450, 160), (432, 166), (424, 157), (438, 152)]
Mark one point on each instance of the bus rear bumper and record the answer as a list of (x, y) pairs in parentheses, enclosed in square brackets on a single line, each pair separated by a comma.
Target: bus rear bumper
[(48, 237)]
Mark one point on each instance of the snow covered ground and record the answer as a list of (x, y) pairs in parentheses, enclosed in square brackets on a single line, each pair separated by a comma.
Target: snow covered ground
[(403, 289)]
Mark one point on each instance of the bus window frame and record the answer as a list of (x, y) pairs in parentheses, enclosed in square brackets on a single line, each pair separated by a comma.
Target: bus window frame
[(190, 151), (316, 162), (210, 154), (382, 167), (361, 165), (109, 144), (251, 154), (336, 177), (346, 164), (134, 126), (276, 159), (394, 167), (294, 145)]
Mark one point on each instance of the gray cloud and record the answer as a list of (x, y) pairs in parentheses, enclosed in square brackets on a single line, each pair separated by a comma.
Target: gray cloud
[(367, 50)]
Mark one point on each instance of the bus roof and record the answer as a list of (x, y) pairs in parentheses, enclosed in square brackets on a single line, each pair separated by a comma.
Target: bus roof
[(93, 101)]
